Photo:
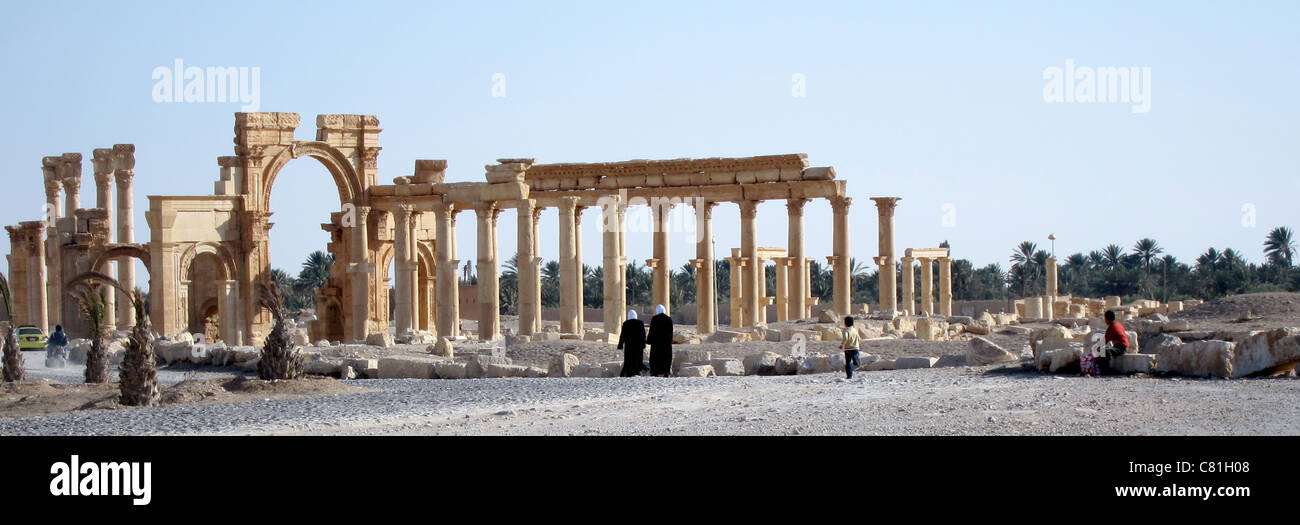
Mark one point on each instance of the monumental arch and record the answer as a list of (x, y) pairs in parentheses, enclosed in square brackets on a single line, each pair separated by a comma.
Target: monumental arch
[(206, 253)]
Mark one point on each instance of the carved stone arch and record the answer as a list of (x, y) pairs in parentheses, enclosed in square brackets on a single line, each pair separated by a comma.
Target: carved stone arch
[(194, 250), (113, 251), (341, 168)]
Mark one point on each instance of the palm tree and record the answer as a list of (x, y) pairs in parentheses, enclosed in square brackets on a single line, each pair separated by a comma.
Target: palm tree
[(137, 376), (1147, 249), (92, 301), (1280, 246), (593, 286), (280, 360), (509, 285), (1023, 253), (551, 284), (13, 360), (316, 270), (1097, 260), (684, 280), (1112, 255), (1208, 261)]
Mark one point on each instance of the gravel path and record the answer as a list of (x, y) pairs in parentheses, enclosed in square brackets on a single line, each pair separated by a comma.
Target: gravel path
[(940, 401)]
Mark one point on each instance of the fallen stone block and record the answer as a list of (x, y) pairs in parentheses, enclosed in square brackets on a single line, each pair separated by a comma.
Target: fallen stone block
[(904, 363), (347, 373), (534, 371), (728, 367), (787, 366), (1060, 359), (1155, 344), (442, 348), (866, 359), (1014, 330), (1266, 351), (476, 365), (880, 364), (450, 370), (685, 337), (321, 367), (1133, 363), (763, 364), (828, 316), (381, 339), (408, 367), (696, 371), (985, 352), (562, 365), (1178, 325), (495, 370), (685, 357), (1197, 359), (546, 336), (791, 334), (728, 336)]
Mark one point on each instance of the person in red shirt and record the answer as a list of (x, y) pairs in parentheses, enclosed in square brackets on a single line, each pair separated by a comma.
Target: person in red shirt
[(1115, 333)]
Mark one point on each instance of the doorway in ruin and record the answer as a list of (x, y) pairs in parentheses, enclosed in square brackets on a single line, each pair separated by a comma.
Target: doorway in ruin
[(206, 285)]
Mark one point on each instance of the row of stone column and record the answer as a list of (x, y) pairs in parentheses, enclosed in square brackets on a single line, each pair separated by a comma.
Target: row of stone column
[(927, 285)]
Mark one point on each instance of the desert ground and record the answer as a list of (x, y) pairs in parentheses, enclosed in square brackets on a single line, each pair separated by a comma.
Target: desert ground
[(951, 398)]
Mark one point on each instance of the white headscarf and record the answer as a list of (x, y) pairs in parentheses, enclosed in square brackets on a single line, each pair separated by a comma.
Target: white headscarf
[(659, 309), (631, 314)]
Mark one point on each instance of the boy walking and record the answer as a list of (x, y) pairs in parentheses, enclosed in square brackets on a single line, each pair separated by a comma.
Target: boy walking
[(850, 343)]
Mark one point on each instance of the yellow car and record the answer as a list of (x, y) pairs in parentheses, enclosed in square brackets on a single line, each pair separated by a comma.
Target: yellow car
[(31, 338)]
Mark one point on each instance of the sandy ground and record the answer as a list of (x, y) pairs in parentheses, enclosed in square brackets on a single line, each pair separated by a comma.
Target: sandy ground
[(951, 398)]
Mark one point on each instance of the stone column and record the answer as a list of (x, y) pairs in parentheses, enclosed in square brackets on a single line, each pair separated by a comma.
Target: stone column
[(360, 268), (887, 277), (705, 314), (612, 271), (661, 208), (580, 273), (796, 304), (945, 286), (125, 235), (227, 301), (909, 285), (1051, 276), (489, 294), (414, 270), (103, 165), (843, 276), (401, 266), (782, 288), (749, 251), (53, 202), (445, 265), (536, 275), (736, 271), (525, 269), (40, 302), (568, 288), (927, 286), (70, 174)]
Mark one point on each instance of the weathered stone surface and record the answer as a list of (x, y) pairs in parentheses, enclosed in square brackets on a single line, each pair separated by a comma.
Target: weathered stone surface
[(763, 364), (1015, 330), (728, 367), (1155, 344), (442, 348), (546, 336), (562, 365), (500, 370), (829, 316), (1046, 334), (790, 334), (321, 367), (915, 362), (985, 352), (1060, 359), (960, 319), (787, 366), (931, 329), (685, 337), (1198, 359), (1267, 350), (450, 370), (1178, 325), (683, 357), (347, 373), (1133, 363), (598, 335), (728, 336), (904, 324), (408, 367), (476, 365), (866, 359), (534, 371), (829, 333), (880, 364), (382, 339), (513, 339), (696, 371), (612, 368)]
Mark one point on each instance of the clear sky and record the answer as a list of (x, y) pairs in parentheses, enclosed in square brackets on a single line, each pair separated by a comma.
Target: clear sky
[(940, 103)]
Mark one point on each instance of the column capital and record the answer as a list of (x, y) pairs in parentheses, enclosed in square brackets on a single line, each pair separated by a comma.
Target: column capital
[(403, 212), (885, 205), (124, 156), (840, 205), (795, 206), (123, 177), (748, 209), (832, 259), (704, 208), (362, 212), (52, 187), (72, 185), (102, 161), (568, 204)]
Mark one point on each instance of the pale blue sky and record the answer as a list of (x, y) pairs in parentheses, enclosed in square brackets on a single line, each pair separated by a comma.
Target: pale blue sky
[(934, 102)]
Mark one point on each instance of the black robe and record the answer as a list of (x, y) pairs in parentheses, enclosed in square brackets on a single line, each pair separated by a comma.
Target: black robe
[(661, 345), (631, 339)]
